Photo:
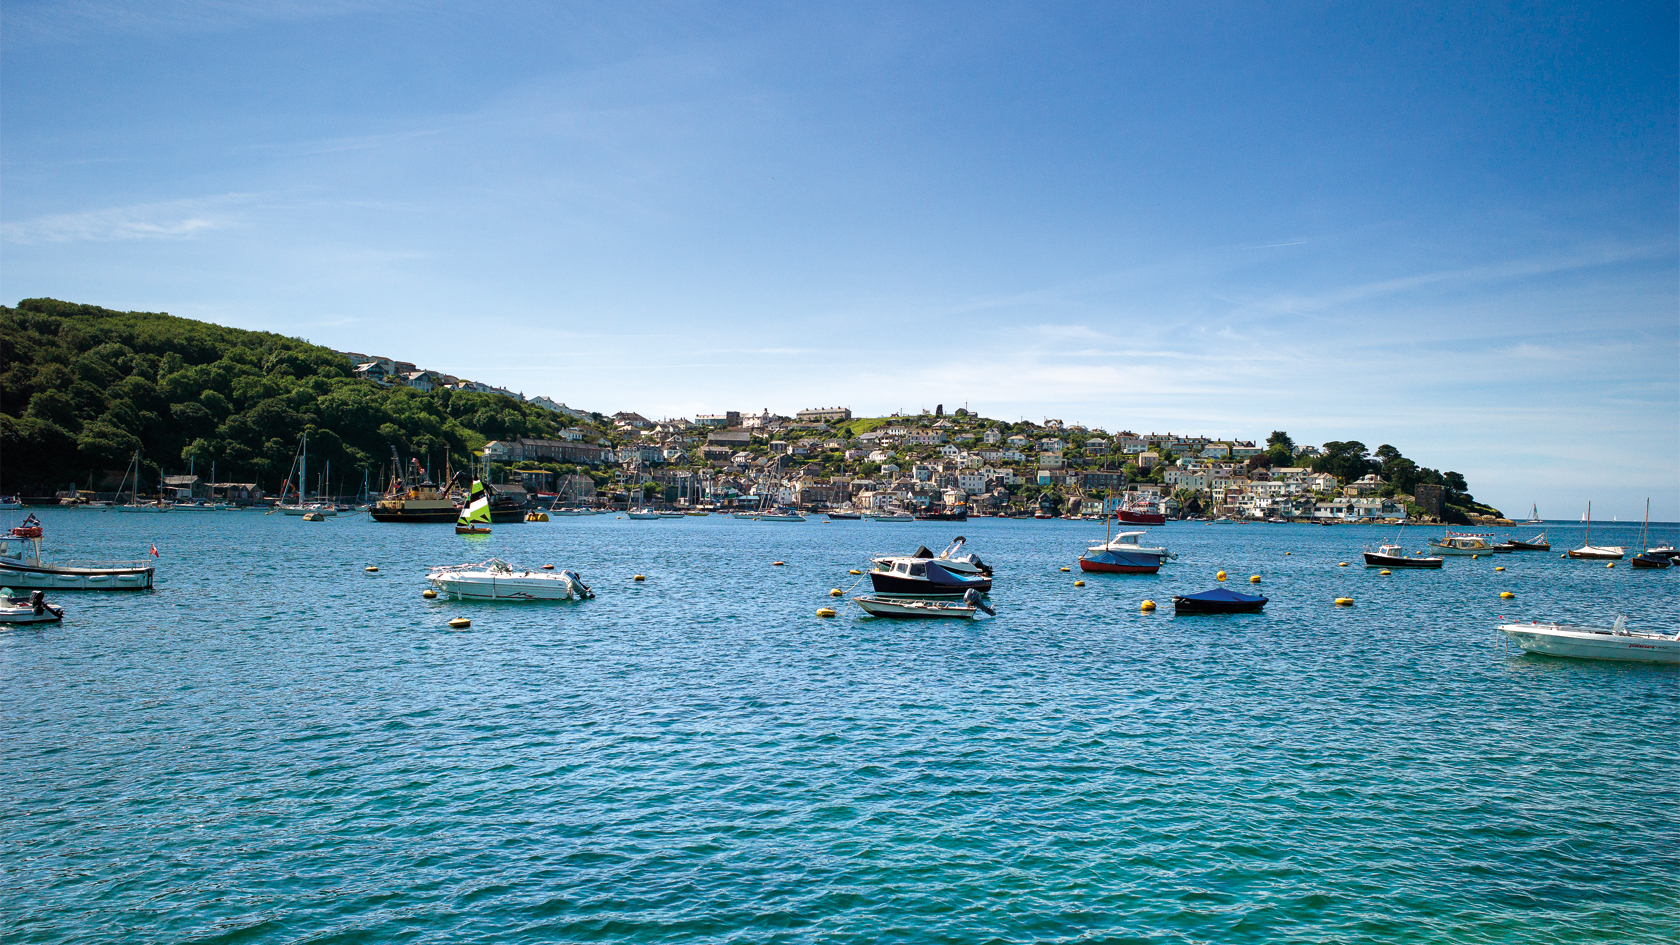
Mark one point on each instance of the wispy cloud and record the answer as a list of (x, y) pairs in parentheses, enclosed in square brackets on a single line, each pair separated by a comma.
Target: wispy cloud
[(176, 219)]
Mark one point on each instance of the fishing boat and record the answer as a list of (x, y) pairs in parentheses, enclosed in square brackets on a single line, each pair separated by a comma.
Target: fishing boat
[(1593, 552), (1394, 556), (1217, 601), (1140, 512), (475, 518), (495, 579), (911, 607), (925, 574), (24, 567), (1537, 543), (31, 609), (1466, 545), (1616, 643), (1124, 554), (1647, 559), (413, 497)]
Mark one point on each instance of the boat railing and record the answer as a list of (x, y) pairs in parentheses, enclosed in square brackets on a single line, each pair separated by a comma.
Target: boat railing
[(138, 565)]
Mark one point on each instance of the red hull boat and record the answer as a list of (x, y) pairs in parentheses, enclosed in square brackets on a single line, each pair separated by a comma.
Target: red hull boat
[(1135, 517)]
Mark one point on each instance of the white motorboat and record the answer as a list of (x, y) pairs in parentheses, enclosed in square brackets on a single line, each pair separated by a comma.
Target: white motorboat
[(891, 515), (645, 515), (24, 567), (882, 606), (1616, 643), (10, 503), (31, 609), (495, 579), (1124, 554), (1451, 544), (779, 515)]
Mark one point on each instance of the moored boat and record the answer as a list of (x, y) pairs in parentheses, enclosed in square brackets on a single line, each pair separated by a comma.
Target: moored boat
[(414, 498), (495, 579), (841, 516), (926, 574), (1596, 552), (1124, 554), (1394, 556), (1616, 643), (1537, 543), (911, 607), (25, 569), (1646, 559), (1218, 601), (780, 514), (31, 609), (1463, 545)]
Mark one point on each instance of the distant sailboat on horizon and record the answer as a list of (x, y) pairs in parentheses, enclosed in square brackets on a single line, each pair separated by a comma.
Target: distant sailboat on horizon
[(1534, 516)]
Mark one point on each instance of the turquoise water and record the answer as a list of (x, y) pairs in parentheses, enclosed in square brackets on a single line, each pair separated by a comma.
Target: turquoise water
[(276, 746)]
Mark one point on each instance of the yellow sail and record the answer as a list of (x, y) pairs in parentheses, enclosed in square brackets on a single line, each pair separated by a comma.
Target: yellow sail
[(477, 511)]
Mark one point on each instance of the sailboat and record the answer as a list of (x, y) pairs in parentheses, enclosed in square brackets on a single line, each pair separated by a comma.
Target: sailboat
[(1587, 550), (475, 518), (1534, 516), (303, 506), (135, 506), (1646, 558)]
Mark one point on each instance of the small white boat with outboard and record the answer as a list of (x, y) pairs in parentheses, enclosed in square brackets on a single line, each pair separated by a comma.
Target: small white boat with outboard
[(495, 579), (31, 609), (1394, 556), (1593, 643), (923, 573), (881, 605)]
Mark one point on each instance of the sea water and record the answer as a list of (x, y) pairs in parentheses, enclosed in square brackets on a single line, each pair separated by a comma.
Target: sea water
[(278, 746)]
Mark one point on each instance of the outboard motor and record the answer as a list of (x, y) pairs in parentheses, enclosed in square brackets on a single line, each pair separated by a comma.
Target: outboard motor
[(578, 587), (972, 598)]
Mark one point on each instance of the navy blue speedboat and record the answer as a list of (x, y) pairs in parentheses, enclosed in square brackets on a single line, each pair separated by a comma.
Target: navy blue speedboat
[(1217, 601)]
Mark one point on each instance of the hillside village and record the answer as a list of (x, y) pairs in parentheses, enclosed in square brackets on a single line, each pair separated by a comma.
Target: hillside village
[(824, 458)]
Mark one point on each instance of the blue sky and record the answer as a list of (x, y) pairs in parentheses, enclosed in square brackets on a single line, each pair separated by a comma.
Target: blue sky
[(1448, 227)]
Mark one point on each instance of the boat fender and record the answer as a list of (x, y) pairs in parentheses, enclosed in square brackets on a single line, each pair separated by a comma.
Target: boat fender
[(825, 611), (460, 623), (429, 594), (1147, 606), (1506, 595), (972, 598)]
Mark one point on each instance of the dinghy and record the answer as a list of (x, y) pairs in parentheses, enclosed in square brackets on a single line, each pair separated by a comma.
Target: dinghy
[(1218, 601), (31, 609), (475, 518), (882, 606), (1594, 552)]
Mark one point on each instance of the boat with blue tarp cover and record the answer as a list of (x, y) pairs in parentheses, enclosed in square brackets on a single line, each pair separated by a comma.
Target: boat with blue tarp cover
[(1217, 601)]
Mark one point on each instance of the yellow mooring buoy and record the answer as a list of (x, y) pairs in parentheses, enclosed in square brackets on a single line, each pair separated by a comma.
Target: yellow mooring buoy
[(1078, 583), (429, 594), (836, 592), (1147, 606), (1506, 595), (775, 564), (1611, 564), (1344, 602), (1220, 576), (1385, 571), (1254, 579), (854, 571), (825, 612), (459, 623), (371, 569), (1341, 564), (548, 567), (1500, 568), (638, 578), (1066, 570)]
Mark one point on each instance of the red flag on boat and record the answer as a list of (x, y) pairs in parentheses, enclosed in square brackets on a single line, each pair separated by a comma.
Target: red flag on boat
[(154, 551)]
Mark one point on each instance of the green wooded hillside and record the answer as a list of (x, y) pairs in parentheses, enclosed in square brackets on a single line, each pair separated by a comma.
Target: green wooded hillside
[(83, 387)]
